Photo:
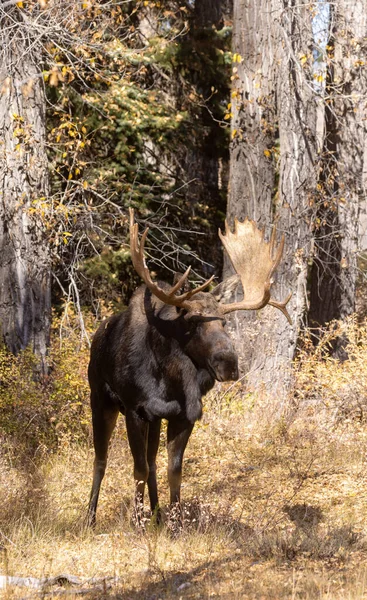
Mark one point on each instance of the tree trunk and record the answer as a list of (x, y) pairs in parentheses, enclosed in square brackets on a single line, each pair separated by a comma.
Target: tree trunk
[(275, 91), (334, 270), (208, 13), (297, 110), (253, 133), (24, 250), (253, 111)]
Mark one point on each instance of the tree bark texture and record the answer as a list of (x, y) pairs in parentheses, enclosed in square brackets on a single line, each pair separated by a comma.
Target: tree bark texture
[(342, 183), (255, 42), (273, 169), (24, 249), (297, 112)]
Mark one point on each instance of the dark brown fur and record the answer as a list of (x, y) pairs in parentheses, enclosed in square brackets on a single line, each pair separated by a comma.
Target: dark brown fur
[(150, 362)]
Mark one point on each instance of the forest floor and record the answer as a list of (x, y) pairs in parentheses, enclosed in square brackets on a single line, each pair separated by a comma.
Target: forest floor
[(274, 507), (271, 510)]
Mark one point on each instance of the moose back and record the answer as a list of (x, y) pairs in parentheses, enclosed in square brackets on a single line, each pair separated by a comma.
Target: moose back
[(158, 358)]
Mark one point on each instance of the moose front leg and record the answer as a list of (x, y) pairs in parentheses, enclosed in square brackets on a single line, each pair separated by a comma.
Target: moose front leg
[(178, 433), (137, 433)]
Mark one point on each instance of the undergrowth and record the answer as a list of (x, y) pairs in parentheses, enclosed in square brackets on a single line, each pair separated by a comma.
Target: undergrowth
[(334, 390), (42, 416)]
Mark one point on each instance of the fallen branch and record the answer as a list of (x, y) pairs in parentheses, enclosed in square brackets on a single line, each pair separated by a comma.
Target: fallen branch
[(60, 580)]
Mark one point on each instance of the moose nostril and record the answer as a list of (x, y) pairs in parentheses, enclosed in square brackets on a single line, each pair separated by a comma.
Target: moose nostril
[(225, 364), (235, 375)]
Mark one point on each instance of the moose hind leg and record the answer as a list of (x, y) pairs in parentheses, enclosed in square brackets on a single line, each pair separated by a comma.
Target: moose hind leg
[(153, 445), (137, 433), (104, 421), (178, 433)]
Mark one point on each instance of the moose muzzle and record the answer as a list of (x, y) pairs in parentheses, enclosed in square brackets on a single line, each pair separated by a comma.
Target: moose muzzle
[(224, 365)]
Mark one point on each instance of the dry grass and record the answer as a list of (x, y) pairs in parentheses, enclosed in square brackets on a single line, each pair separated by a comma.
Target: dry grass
[(275, 507)]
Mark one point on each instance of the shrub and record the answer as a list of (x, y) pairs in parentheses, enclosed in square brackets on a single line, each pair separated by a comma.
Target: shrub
[(34, 415), (325, 383)]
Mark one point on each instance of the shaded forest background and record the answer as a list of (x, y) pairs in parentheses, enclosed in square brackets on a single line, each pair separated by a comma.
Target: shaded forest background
[(188, 112)]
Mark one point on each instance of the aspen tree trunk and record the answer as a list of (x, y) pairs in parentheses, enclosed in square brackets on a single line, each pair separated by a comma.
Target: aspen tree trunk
[(274, 134), (297, 112), (24, 249), (255, 45), (334, 271), (253, 133)]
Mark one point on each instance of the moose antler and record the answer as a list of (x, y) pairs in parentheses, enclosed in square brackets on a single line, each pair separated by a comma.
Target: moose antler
[(137, 256), (255, 262)]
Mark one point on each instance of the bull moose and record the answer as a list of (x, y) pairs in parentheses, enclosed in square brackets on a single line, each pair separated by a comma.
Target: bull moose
[(159, 357)]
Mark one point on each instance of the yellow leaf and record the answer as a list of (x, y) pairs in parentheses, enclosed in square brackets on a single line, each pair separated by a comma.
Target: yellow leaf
[(303, 59), (344, 263), (54, 78), (20, 4), (234, 133), (319, 77), (267, 153), (85, 185)]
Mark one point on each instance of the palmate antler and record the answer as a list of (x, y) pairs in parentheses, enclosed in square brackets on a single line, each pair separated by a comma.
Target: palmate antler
[(255, 261), (137, 256)]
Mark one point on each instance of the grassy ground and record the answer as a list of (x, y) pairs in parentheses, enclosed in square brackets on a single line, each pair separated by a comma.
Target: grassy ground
[(275, 507)]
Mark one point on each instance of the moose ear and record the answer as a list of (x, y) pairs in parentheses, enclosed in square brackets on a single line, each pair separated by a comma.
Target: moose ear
[(186, 285), (224, 290)]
